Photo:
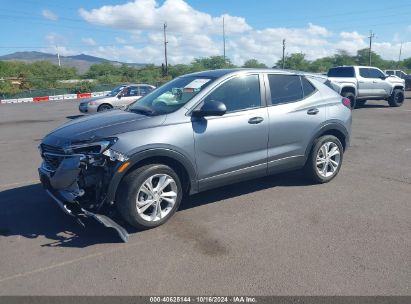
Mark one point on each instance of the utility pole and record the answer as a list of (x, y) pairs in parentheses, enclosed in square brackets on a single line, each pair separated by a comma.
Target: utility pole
[(58, 55), (224, 38), (399, 56), (165, 50), (283, 53), (370, 37)]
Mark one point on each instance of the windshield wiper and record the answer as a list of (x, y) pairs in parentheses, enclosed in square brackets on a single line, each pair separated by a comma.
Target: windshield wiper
[(141, 110)]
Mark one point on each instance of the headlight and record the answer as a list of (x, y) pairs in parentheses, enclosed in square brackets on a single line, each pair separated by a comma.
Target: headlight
[(93, 147), (114, 155)]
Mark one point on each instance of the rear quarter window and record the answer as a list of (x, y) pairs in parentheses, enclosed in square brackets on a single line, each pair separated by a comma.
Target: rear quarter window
[(308, 87)]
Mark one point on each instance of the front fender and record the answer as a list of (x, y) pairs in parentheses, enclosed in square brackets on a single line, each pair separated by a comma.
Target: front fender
[(148, 153)]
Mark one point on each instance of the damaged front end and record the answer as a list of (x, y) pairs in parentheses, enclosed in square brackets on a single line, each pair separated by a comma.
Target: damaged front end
[(77, 177)]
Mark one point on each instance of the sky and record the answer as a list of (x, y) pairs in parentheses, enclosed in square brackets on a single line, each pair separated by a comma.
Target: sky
[(132, 31)]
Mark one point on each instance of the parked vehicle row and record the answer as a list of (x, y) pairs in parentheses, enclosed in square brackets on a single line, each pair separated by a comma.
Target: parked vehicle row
[(402, 75), (197, 132), (362, 83), (119, 97)]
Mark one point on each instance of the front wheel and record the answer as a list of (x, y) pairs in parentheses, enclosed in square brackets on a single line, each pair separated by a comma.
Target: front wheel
[(325, 159), (149, 196), (397, 98), (104, 107)]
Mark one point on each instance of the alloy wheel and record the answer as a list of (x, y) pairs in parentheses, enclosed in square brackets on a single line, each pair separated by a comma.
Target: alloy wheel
[(156, 197), (328, 159)]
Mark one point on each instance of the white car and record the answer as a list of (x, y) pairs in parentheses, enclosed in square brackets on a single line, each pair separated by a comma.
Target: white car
[(120, 97)]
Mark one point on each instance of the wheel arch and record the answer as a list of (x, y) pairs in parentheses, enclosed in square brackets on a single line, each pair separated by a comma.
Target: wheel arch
[(349, 88), (177, 161), (331, 128)]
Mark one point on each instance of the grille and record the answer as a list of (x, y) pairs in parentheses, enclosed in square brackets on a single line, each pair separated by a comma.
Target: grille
[(52, 156)]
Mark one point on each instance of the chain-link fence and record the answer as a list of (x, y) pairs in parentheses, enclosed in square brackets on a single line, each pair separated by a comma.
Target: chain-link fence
[(55, 91), (61, 91)]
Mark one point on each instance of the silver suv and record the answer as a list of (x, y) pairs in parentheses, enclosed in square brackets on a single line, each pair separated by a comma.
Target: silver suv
[(196, 132), (362, 83), (120, 97)]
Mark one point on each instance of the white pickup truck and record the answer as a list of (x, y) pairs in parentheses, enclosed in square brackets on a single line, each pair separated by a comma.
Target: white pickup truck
[(362, 83)]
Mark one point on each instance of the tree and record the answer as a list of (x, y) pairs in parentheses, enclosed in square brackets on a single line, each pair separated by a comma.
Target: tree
[(212, 63), (343, 58), (362, 58), (295, 61), (253, 63), (322, 65)]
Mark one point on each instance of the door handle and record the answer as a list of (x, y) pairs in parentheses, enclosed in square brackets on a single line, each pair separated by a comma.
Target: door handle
[(255, 120), (313, 111)]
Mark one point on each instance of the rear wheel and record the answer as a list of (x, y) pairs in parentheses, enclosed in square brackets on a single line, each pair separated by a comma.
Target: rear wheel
[(351, 97), (397, 98), (104, 107), (149, 196), (325, 159)]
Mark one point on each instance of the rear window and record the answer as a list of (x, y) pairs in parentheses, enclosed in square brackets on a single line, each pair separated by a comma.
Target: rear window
[(285, 88), (341, 72)]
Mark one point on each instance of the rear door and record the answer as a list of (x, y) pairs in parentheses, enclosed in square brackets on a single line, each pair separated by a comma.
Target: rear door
[(233, 147), (294, 114)]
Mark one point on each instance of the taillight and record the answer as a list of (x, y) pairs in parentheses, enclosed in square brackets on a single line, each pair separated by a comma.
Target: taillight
[(346, 102)]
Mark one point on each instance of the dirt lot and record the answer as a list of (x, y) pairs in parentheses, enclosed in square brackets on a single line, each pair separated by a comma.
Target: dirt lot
[(276, 235)]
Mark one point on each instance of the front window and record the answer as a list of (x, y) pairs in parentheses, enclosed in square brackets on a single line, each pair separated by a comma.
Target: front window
[(238, 93), (171, 96), (115, 91)]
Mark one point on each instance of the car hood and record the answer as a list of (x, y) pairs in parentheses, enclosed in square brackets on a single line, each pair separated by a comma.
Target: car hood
[(394, 79), (100, 125)]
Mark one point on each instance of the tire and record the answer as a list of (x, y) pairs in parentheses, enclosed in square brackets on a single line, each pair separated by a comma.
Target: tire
[(360, 103), (132, 190), (352, 98), (104, 107), (315, 172), (397, 98)]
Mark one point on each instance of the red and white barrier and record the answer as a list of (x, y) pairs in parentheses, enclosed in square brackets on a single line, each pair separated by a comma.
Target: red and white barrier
[(54, 97)]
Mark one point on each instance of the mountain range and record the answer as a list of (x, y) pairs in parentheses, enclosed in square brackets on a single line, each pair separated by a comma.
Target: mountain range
[(81, 62)]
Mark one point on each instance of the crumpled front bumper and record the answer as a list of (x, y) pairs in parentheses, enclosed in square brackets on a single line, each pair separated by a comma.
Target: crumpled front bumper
[(61, 186)]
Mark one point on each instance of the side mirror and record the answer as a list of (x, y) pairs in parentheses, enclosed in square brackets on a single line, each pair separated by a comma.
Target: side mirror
[(211, 108), (384, 77), (119, 95)]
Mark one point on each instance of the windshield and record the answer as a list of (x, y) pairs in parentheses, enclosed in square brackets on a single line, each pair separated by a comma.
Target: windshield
[(116, 90), (171, 96)]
